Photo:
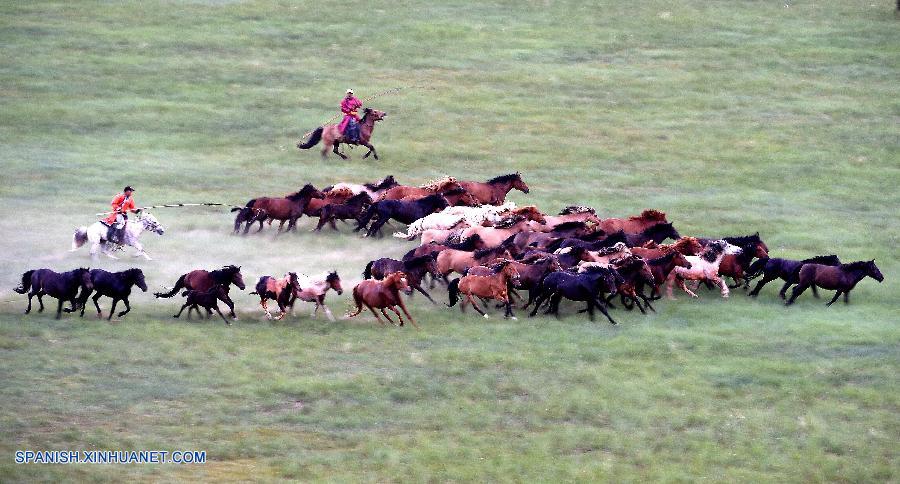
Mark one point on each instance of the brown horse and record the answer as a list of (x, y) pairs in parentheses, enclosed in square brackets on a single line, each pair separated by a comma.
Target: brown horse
[(332, 137), (459, 261), (635, 224), (495, 286), (496, 235), (493, 191), (202, 280), (279, 290), (384, 294), (842, 278), (457, 197), (684, 246), (662, 266), (286, 209), (332, 197)]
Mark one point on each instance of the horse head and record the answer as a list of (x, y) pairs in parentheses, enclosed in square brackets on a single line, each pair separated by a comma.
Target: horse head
[(137, 278), (149, 222), (398, 281), (873, 272), (334, 282), (373, 115), (83, 275), (234, 276)]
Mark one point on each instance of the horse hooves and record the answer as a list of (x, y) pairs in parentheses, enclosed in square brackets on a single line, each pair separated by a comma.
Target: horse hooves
[(486, 316), (513, 318)]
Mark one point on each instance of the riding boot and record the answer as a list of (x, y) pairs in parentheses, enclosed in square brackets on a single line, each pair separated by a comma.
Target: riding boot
[(112, 234)]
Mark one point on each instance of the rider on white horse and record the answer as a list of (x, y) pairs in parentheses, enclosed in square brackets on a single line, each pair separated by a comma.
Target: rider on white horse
[(121, 205)]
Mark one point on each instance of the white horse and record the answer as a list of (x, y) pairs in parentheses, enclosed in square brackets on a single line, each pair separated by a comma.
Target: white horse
[(451, 217), (97, 232), (704, 267)]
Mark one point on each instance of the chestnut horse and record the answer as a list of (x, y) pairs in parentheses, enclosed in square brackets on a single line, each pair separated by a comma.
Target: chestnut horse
[(493, 191), (401, 192), (573, 213), (384, 294), (332, 137), (490, 287)]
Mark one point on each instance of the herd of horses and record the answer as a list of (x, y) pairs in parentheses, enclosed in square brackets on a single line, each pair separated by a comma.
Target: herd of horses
[(497, 250)]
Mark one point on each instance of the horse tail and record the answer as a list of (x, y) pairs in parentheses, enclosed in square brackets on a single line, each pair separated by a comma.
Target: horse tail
[(79, 237), (313, 140), (755, 269), (26, 283), (359, 304), (367, 272), (178, 285), (235, 209), (453, 289)]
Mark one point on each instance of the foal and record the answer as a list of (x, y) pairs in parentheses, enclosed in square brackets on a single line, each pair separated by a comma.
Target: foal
[(280, 290), (384, 294), (490, 287), (207, 300)]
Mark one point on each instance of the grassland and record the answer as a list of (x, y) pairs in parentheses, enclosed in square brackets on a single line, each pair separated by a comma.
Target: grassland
[(732, 117)]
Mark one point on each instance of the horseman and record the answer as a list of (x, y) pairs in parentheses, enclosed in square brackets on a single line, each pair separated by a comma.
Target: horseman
[(349, 126), (121, 205)]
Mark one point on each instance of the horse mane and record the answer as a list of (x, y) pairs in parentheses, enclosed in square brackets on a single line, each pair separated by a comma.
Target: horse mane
[(482, 253), (508, 222), (712, 251), (657, 227), (744, 240), (612, 250), (301, 193), (573, 209), (684, 243), (830, 260), (358, 196), (593, 268), (434, 185), (575, 224), (663, 259), (386, 182), (504, 178), (226, 271), (332, 275), (417, 261), (852, 266), (366, 112), (649, 215)]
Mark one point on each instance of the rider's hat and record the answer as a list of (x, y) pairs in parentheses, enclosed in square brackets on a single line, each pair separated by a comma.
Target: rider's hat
[(349, 91), (128, 189)]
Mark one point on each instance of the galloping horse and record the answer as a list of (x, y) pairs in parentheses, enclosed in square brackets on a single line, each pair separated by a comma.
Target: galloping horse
[(374, 190), (704, 267), (115, 285), (786, 269), (633, 225), (332, 137), (62, 286), (202, 280), (313, 290), (842, 278), (491, 287), (97, 232), (493, 192), (279, 290), (384, 294)]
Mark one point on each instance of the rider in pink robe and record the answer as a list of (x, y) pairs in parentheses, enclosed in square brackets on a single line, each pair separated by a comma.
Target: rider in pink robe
[(349, 105)]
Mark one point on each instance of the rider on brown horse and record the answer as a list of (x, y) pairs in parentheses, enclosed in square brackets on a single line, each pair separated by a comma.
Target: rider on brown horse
[(121, 205), (350, 124)]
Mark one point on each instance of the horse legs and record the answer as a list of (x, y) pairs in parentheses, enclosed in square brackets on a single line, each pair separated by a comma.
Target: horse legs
[(475, 305), (127, 308), (419, 288), (814, 291), (683, 287), (376, 315), (112, 309), (59, 308), (334, 150), (371, 151), (265, 305), (590, 309), (721, 283), (216, 307), (797, 291), (399, 316), (40, 297), (847, 296), (765, 280), (321, 302), (837, 294), (230, 305), (410, 318), (182, 309), (603, 310), (28, 309)]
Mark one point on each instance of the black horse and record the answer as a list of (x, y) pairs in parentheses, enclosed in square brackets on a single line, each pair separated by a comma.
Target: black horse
[(207, 300), (405, 212), (842, 278), (415, 270), (115, 285), (353, 208), (786, 269), (586, 286), (655, 233), (62, 286)]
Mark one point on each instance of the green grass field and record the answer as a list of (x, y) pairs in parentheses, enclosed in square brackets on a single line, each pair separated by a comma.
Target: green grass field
[(732, 117)]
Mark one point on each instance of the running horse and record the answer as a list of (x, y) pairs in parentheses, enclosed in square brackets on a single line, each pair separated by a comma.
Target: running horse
[(331, 137), (202, 280), (493, 191)]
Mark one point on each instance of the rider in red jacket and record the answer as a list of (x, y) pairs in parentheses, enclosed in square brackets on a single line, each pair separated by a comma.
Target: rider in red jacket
[(121, 204)]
